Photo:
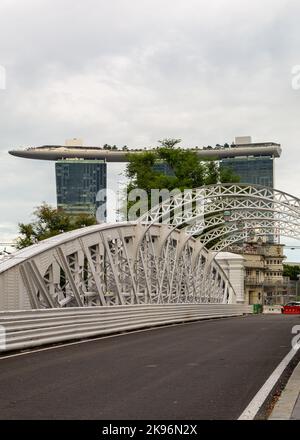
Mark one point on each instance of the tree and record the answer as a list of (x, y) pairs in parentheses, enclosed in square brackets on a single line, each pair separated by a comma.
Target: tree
[(169, 142), (228, 176), (291, 271), (48, 222), (187, 170)]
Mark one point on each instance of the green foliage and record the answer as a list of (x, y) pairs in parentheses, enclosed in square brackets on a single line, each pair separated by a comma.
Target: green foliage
[(291, 271), (169, 142), (48, 222), (228, 176), (188, 171)]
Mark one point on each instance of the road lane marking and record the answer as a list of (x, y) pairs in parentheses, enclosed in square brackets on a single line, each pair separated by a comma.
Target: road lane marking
[(257, 402)]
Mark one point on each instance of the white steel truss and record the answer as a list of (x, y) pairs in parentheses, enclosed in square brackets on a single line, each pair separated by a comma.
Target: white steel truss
[(220, 215), (107, 265), (160, 259)]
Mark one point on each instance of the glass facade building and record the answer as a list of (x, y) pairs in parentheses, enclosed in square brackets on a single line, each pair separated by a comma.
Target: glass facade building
[(257, 170), (77, 185)]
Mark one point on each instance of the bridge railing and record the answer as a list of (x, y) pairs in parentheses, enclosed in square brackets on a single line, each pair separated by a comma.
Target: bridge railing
[(27, 329)]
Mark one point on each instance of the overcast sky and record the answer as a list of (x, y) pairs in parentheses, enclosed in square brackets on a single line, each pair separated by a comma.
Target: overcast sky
[(134, 71)]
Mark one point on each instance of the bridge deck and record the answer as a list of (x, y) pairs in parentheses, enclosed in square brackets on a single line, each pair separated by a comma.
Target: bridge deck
[(205, 370)]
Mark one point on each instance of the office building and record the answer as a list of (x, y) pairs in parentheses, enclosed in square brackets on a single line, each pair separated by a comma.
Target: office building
[(257, 166), (77, 184)]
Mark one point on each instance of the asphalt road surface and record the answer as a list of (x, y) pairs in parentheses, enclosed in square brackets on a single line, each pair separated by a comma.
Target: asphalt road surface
[(205, 370)]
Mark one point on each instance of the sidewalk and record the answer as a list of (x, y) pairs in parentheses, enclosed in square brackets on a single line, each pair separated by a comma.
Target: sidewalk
[(288, 405)]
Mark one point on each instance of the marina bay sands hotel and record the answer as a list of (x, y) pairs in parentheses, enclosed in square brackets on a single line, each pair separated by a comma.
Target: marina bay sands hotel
[(81, 171)]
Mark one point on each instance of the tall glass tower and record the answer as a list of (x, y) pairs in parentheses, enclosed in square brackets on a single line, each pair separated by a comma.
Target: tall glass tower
[(254, 169), (77, 184), (257, 170), (255, 166)]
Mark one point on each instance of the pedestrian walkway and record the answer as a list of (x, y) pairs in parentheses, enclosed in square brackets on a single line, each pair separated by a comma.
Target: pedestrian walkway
[(288, 405)]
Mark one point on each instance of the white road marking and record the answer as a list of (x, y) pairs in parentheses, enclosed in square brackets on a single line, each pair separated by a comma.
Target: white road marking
[(259, 399)]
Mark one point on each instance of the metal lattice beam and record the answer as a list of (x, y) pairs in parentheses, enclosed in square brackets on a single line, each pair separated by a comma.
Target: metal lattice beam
[(201, 213), (106, 265)]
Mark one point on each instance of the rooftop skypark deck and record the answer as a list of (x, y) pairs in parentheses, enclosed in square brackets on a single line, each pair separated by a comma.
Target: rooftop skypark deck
[(57, 152)]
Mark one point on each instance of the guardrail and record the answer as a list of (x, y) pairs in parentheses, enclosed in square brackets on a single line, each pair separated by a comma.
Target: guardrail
[(26, 329), (277, 309)]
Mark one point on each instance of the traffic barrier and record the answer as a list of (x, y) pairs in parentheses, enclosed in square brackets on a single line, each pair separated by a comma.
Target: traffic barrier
[(32, 328), (291, 310), (272, 309)]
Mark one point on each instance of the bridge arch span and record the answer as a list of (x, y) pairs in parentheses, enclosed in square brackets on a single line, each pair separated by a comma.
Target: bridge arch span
[(220, 212), (99, 266)]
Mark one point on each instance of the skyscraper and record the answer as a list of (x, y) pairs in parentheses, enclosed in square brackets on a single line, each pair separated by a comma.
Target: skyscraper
[(256, 168), (77, 184), (81, 170)]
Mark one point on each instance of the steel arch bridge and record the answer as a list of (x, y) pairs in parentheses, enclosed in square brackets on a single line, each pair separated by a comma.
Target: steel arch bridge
[(224, 214), (119, 264), (160, 259)]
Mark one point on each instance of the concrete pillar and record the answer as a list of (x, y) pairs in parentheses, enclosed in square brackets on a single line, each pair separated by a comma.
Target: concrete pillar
[(234, 267)]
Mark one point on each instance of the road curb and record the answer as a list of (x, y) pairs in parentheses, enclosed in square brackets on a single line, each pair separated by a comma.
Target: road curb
[(288, 404)]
